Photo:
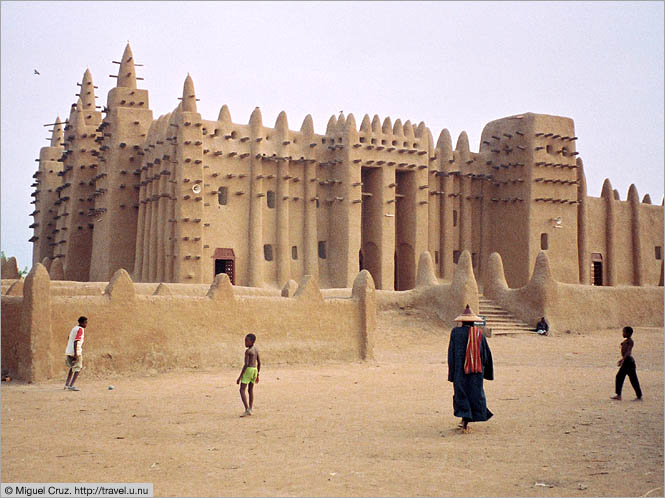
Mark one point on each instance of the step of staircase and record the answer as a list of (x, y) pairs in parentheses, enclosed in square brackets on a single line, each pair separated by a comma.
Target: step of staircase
[(501, 321)]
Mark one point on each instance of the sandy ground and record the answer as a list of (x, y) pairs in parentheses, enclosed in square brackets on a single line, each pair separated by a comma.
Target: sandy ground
[(381, 428)]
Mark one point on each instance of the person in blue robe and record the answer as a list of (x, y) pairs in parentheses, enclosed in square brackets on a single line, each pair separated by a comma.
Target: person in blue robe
[(469, 362)]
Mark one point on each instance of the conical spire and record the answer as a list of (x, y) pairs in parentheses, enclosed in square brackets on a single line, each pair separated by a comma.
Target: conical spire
[(376, 124), (127, 72), (633, 196), (332, 123), (224, 115), (341, 121), (350, 128), (366, 125), (387, 127), (420, 129), (408, 130), (646, 199), (398, 129), (58, 135), (188, 95), (607, 193), (307, 127), (445, 142), (76, 120), (462, 142), (282, 125), (87, 93), (256, 121)]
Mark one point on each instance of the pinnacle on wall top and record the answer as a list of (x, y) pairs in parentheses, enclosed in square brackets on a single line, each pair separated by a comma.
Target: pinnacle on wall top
[(462, 142), (87, 94), (188, 95), (387, 126), (365, 125), (376, 124), (307, 127), (282, 125), (57, 136), (127, 71), (256, 120), (224, 116)]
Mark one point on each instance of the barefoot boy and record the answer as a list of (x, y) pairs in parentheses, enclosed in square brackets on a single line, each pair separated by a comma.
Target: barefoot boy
[(627, 366), (250, 373), (74, 353)]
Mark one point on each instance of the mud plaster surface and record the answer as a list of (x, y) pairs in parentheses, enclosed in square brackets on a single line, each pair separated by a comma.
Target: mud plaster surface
[(382, 428)]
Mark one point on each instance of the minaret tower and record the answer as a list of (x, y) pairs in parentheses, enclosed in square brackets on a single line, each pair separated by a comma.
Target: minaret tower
[(188, 189), (123, 133), (46, 182)]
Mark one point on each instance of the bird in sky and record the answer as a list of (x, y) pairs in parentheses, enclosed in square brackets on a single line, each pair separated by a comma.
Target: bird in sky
[(36, 72)]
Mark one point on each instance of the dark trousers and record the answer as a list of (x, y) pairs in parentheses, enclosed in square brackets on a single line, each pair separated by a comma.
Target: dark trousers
[(628, 368)]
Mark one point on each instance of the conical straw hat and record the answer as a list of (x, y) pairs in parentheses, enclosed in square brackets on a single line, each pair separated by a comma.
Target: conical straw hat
[(468, 316)]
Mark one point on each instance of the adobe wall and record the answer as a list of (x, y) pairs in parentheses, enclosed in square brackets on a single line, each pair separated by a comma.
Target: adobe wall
[(574, 306), (131, 332), (650, 236), (11, 335)]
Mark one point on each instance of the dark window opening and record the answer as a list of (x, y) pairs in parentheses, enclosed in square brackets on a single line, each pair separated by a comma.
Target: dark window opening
[(659, 252), (456, 256), (362, 140), (267, 252), (294, 252), (596, 269), (454, 218), (436, 256), (226, 266), (322, 249), (222, 196), (597, 273), (544, 242), (270, 198)]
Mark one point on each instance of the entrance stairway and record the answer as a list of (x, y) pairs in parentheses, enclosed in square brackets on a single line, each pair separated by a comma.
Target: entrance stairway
[(500, 321)]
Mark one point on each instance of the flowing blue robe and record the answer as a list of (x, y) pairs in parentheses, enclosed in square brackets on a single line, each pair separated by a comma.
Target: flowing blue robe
[(469, 397)]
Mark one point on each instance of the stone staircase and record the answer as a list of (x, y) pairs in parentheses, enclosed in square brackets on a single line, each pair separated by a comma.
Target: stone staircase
[(500, 321)]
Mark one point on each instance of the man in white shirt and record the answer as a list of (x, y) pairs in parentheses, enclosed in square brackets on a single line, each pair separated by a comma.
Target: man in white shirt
[(74, 353)]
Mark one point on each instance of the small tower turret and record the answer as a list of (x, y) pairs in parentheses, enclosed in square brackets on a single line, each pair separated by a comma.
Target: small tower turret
[(188, 95), (127, 72)]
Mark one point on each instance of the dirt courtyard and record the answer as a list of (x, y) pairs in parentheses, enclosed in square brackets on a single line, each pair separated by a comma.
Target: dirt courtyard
[(378, 428)]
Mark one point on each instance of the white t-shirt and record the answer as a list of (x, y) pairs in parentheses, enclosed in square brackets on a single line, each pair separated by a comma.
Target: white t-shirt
[(77, 334)]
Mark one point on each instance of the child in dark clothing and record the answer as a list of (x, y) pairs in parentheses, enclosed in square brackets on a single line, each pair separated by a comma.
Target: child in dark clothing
[(627, 366)]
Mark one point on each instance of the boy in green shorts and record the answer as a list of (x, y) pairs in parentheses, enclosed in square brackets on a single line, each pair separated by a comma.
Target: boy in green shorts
[(250, 373)]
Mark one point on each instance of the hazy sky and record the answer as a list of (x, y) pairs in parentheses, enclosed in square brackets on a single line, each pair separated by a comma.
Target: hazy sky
[(451, 65)]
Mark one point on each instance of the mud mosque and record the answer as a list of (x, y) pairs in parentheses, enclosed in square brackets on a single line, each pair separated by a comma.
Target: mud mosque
[(181, 223), (181, 198)]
